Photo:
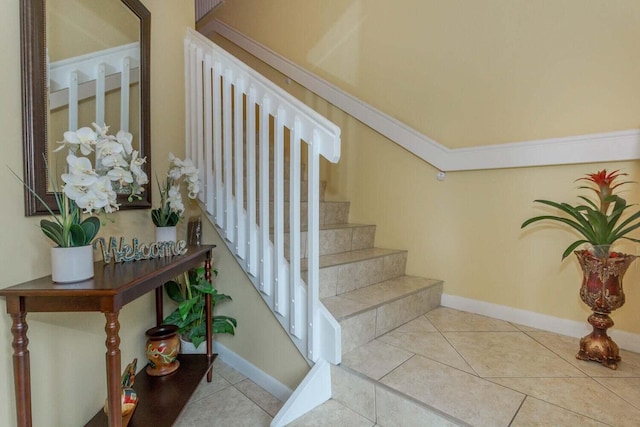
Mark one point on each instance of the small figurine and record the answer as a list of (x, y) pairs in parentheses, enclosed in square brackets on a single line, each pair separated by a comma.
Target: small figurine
[(129, 397)]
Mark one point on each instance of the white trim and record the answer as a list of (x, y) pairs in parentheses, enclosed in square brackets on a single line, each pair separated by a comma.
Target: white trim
[(255, 374), (313, 391), (572, 328), (594, 148)]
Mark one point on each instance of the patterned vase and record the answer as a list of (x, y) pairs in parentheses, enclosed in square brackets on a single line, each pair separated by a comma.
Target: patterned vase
[(163, 346), (602, 291)]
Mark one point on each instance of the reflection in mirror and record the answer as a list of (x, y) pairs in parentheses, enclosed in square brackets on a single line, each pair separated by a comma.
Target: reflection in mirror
[(94, 67)]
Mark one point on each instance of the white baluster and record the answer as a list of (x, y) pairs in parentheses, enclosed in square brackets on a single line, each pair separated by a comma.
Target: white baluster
[(265, 242), (313, 245), (73, 101), (125, 93), (278, 214), (217, 146), (208, 190), (228, 155), (239, 153), (252, 241), (296, 307), (101, 75), (197, 154)]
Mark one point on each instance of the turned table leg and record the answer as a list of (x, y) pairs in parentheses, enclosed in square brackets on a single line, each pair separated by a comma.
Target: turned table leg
[(209, 314), (114, 391), (21, 364)]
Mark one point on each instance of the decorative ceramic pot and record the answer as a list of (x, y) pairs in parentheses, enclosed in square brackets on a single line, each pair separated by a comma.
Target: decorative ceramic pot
[(602, 291), (163, 346), (71, 264), (166, 234)]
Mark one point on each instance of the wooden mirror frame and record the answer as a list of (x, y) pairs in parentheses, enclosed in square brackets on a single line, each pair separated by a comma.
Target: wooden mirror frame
[(35, 103)]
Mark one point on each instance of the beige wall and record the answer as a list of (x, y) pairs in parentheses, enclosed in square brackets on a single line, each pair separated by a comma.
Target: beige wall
[(466, 229), (67, 350), (464, 72)]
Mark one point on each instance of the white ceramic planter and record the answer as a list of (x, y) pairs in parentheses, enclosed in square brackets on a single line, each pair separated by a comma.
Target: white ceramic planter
[(166, 234), (71, 264), (187, 347)]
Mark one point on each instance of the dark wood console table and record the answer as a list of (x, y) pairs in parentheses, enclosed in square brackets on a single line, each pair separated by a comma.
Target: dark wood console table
[(112, 287)]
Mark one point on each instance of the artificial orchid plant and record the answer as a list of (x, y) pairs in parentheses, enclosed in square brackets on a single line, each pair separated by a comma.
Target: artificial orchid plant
[(89, 190), (171, 208)]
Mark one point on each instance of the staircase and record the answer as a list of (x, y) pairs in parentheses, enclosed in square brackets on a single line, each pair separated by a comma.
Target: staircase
[(366, 289), (321, 276)]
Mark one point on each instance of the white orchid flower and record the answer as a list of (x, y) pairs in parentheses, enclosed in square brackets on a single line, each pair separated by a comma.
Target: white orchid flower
[(125, 139), (121, 175), (74, 192), (84, 139), (175, 200), (101, 130), (136, 169)]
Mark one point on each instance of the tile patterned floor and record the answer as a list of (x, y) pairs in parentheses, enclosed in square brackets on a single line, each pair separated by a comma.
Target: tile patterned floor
[(483, 371), (229, 400)]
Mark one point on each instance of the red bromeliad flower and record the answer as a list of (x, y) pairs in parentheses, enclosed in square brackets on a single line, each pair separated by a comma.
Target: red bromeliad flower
[(605, 189)]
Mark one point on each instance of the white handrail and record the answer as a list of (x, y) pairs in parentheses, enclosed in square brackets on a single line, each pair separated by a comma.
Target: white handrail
[(93, 76), (241, 131)]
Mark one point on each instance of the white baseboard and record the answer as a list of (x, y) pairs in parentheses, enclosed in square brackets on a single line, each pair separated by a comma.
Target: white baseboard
[(252, 372), (572, 328)]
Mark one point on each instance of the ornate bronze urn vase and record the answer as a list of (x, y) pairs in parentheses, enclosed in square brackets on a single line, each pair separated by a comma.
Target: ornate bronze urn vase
[(602, 291)]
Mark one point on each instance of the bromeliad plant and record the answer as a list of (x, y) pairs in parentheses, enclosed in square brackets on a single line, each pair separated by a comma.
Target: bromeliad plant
[(87, 190), (190, 316), (171, 207), (598, 222)]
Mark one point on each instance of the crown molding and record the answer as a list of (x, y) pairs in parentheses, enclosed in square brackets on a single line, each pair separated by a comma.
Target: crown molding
[(592, 148)]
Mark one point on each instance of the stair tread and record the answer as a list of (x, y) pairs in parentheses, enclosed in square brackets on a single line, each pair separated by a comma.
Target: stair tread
[(351, 256), (304, 228), (369, 297)]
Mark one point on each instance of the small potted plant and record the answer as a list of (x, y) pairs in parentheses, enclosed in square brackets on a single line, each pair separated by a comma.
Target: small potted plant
[(597, 222), (600, 224), (171, 209), (189, 293), (88, 191)]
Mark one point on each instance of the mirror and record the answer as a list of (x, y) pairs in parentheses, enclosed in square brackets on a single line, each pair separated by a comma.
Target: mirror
[(52, 106)]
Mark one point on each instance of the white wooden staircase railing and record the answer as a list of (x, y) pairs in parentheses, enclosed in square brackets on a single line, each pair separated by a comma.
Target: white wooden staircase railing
[(92, 76), (242, 130)]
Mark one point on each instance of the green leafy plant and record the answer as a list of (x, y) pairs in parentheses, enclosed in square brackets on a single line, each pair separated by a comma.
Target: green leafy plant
[(596, 221), (189, 292)]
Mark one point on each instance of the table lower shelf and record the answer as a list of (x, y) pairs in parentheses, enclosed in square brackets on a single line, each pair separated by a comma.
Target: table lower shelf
[(161, 399)]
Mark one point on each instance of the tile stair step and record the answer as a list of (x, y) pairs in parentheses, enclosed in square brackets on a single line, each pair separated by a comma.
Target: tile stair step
[(304, 190), (375, 401), (336, 238), (347, 271), (330, 213), (371, 311)]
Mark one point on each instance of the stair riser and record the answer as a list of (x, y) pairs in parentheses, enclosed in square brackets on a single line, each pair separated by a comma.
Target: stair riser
[(339, 279), (330, 213), (368, 325), (337, 240), (304, 193)]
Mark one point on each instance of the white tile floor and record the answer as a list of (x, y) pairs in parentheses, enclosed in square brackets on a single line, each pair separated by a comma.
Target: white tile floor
[(482, 371)]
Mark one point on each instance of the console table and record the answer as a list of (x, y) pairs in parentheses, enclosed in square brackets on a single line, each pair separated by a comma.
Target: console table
[(112, 287)]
